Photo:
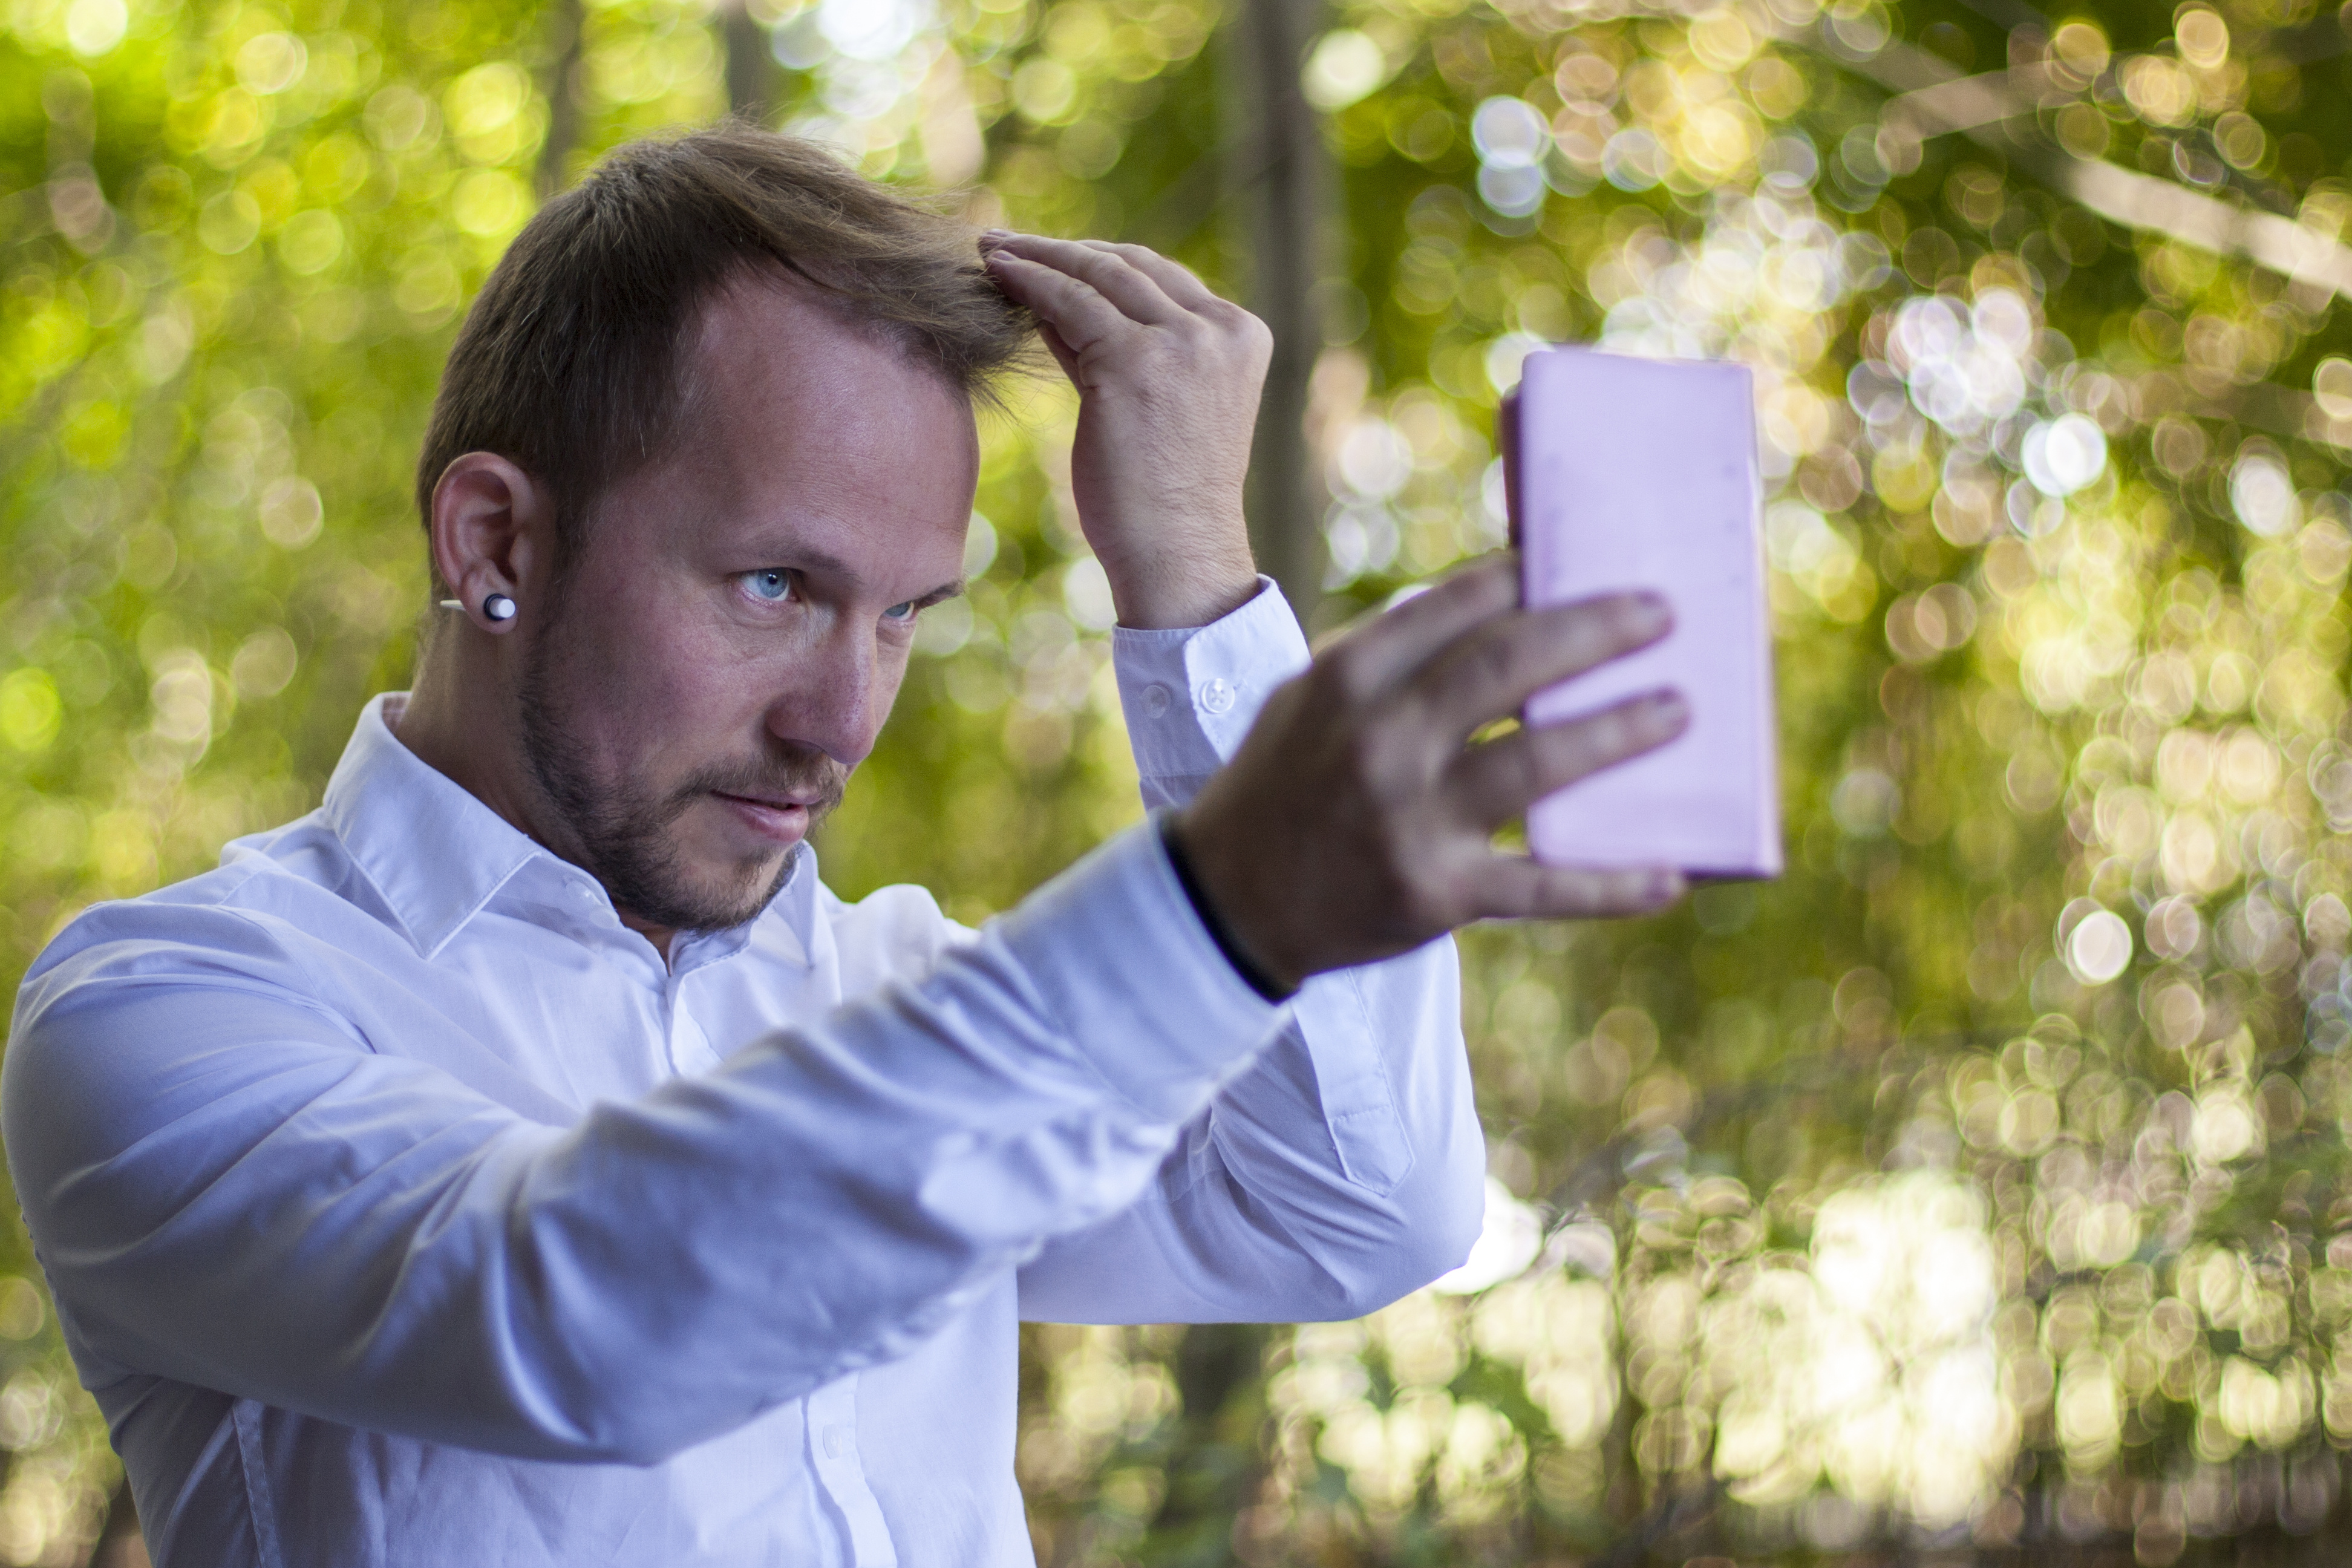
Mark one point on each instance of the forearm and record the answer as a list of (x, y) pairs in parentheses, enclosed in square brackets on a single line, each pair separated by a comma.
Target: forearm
[(1343, 1169), (281, 1214)]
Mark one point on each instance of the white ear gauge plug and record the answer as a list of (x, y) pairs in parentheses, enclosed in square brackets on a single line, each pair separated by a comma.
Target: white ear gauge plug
[(497, 607)]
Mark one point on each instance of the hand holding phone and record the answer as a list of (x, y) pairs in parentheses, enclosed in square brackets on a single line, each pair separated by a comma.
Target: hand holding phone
[(1627, 474)]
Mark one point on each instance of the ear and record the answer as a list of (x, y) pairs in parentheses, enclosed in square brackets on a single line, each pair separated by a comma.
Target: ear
[(492, 533)]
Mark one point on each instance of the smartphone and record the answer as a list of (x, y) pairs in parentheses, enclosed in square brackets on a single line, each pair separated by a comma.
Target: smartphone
[(1627, 473)]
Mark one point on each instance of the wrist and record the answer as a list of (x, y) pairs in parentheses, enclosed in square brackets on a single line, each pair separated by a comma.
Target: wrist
[(1259, 973), (1180, 593)]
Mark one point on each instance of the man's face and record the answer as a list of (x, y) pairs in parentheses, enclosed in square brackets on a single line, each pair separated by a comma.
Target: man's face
[(731, 636)]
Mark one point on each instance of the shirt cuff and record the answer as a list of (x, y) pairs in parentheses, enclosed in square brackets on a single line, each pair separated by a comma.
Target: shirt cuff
[(1190, 693), (1134, 979)]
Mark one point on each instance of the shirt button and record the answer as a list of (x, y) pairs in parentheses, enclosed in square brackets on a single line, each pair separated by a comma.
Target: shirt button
[(1156, 699), (1216, 696), (836, 1441)]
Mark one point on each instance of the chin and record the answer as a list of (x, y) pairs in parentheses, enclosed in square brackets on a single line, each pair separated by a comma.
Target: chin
[(720, 863), (742, 886)]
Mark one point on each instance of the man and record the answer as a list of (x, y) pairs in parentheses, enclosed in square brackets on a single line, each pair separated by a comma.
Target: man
[(524, 1159)]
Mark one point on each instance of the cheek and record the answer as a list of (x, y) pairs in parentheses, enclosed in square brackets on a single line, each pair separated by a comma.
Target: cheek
[(653, 702), (890, 674), (833, 694)]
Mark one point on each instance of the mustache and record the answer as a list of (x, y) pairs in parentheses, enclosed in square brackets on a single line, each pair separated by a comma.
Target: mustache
[(822, 778)]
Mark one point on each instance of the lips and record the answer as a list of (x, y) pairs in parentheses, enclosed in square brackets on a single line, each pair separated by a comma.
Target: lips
[(781, 819), (783, 801)]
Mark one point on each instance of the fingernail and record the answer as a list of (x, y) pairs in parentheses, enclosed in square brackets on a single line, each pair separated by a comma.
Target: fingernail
[(1665, 886), (1651, 612), (1668, 711), (994, 236)]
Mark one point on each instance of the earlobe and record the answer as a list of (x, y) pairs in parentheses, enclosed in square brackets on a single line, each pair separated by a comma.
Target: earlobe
[(489, 518), (497, 608)]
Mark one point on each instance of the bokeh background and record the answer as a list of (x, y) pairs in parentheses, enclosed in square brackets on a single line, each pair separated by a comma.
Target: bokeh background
[(1975, 1190)]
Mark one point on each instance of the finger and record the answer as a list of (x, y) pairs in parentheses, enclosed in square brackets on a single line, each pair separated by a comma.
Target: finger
[(1512, 888), (1073, 309), (1488, 671), (1111, 275), (1384, 649), (1500, 780), (1063, 355), (1175, 279)]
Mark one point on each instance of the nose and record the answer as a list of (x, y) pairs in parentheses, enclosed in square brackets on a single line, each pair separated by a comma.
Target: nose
[(831, 695)]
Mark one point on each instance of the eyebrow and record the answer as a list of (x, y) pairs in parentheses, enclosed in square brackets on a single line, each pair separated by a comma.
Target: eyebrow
[(812, 558)]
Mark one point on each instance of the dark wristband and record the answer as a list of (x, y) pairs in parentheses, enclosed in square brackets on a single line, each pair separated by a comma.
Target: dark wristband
[(1257, 979)]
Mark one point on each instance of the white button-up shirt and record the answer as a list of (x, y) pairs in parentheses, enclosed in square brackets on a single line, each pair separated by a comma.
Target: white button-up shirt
[(402, 1206)]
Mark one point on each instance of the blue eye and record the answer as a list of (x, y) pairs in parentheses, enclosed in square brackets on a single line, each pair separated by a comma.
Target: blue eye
[(905, 612), (771, 584)]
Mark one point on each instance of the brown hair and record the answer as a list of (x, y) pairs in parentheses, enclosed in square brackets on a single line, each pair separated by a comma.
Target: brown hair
[(571, 362)]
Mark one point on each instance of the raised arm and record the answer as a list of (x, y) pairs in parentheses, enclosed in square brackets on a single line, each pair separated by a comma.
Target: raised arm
[(1346, 1166), (230, 1189)]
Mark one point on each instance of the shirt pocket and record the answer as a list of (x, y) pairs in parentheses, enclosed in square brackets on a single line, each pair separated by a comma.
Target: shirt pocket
[(1351, 1079)]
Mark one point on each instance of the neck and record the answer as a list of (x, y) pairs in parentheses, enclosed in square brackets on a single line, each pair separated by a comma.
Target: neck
[(452, 720), (455, 720)]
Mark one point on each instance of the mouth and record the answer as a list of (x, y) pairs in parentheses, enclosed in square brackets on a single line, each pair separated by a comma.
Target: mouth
[(781, 819)]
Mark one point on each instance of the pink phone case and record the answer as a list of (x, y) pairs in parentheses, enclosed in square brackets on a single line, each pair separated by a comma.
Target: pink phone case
[(1633, 473)]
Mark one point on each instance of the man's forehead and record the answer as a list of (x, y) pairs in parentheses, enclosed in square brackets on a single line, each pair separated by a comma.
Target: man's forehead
[(766, 325), (801, 431)]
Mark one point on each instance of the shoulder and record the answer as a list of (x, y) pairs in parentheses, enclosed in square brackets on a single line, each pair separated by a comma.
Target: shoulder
[(244, 924), (146, 1011)]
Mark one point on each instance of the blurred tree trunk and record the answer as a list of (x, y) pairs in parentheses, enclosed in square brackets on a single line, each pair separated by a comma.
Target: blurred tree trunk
[(567, 23), (119, 1544), (1280, 190), (750, 66), (1219, 1460)]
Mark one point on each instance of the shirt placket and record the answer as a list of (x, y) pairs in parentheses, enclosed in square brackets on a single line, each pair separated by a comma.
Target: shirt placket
[(841, 1470), (688, 1041), (654, 984), (669, 1015)]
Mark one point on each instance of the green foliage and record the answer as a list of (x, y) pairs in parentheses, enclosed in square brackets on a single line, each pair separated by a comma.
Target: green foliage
[(1978, 1184)]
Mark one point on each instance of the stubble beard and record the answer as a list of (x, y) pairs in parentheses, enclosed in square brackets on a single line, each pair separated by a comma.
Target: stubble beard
[(622, 830)]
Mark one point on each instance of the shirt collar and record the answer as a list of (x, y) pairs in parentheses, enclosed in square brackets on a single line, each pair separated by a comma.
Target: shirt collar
[(433, 850), (437, 854)]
